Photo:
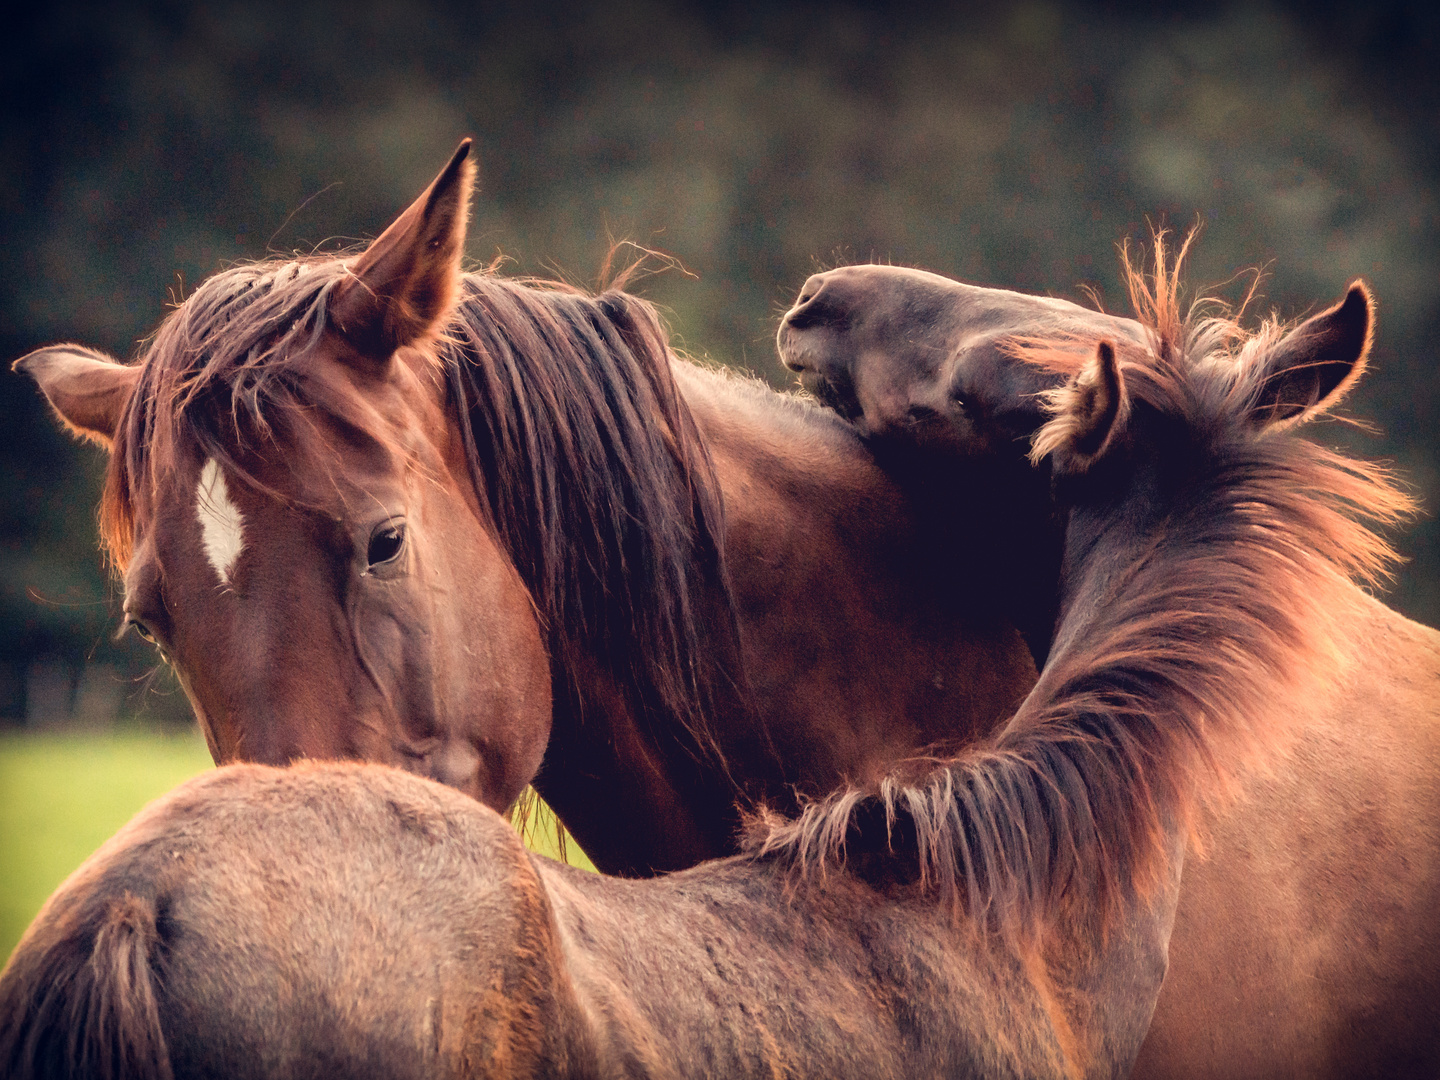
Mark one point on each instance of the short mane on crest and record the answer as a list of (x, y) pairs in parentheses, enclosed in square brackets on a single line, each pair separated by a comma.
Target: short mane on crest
[(1187, 676)]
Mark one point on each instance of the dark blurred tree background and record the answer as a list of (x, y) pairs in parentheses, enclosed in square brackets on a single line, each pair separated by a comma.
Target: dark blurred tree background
[(145, 146)]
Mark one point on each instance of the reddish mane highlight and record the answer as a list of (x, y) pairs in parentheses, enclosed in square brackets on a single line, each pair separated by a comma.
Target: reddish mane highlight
[(229, 352)]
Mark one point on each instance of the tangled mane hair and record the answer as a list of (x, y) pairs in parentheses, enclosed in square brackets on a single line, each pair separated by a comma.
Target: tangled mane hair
[(1173, 685), (585, 459)]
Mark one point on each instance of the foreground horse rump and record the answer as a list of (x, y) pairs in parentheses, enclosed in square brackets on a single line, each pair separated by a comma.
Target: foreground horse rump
[(1000, 913), (356, 921), (377, 508), (1306, 941)]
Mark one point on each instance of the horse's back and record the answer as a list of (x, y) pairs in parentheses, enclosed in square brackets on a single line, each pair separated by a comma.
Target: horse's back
[(1319, 895), (347, 920), (746, 970)]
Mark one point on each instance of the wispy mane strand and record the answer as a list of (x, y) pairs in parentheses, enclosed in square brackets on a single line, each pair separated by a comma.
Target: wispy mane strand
[(597, 477)]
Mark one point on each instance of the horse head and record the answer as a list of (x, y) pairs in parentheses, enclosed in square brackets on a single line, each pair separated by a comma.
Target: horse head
[(294, 516), (915, 358), (937, 376), (921, 366)]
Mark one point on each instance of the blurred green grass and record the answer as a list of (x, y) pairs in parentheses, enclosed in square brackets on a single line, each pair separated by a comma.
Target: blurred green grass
[(63, 795)]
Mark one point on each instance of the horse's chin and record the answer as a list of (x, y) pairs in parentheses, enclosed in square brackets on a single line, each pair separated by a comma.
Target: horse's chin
[(831, 396)]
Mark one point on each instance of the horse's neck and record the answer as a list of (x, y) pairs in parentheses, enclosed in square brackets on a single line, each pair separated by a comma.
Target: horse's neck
[(853, 653), (861, 643), (796, 456), (1386, 671), (636, 803)]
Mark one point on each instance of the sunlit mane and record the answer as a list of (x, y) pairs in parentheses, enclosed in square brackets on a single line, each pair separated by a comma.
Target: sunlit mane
[(582, 452), (1175, 685)]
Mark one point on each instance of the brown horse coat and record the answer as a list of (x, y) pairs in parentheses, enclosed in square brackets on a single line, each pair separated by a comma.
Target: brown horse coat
[(1306, 942), (355, 921), (1002, 912), (380, 509)]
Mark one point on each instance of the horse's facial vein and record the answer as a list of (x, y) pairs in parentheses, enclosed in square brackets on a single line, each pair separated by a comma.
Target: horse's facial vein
[(222, 526)]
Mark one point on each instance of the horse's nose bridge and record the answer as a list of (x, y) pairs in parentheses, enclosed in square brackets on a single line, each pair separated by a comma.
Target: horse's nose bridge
[(284, 702)]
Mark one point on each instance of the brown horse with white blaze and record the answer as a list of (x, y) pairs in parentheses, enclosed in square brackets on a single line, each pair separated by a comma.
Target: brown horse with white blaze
[(1306, 943), (377, 508), (1000, 913)]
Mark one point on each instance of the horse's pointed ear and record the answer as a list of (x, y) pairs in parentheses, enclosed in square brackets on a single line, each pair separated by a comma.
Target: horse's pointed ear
[(1088, 411), (1314, 366), (87, 389), (400, 290)]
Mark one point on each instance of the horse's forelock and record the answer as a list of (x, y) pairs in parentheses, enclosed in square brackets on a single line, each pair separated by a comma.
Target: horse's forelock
[(221, 370)]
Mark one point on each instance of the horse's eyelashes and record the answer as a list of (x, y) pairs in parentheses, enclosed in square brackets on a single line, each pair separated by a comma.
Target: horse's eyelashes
[(146, 634), (386, 543)]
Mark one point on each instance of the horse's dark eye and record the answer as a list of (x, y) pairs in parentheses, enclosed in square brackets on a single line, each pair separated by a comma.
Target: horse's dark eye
[(144, 632), (386, 543)]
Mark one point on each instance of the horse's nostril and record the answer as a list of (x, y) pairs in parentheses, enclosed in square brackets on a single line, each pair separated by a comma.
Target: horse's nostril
[(810, 308), (810, 290)]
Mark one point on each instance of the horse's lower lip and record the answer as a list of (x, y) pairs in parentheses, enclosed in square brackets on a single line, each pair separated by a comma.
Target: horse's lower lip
[(792, 357)]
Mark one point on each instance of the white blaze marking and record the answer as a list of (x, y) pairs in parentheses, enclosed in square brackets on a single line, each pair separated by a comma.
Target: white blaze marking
[(222, 526)]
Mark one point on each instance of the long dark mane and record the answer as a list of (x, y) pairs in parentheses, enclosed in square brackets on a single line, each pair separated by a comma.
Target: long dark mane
[(1181, 679), (598, 480), (583, 455)]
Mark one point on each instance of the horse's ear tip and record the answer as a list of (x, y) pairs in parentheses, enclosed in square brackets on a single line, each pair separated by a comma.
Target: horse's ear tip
[(462, 167), (1357, 311), (32, 363), (1358, 291), (1107, 359)]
